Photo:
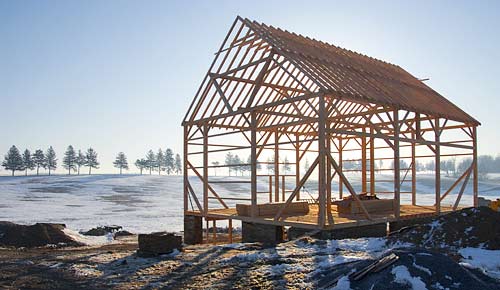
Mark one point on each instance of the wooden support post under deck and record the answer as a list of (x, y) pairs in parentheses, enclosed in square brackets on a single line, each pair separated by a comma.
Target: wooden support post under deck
[(214, 230), (328, 175), (186, 190), (253, 163), (437, 166), (413, 173), (297, 163), (397, 177), (372, 163), (276, 167), (270, 188), (341, 184), (322, 162), (363, 162), (474, 157), (205, 169), (230, 231)]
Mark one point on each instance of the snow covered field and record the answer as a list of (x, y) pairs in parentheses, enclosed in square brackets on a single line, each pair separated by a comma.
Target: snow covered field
[(145, 203)]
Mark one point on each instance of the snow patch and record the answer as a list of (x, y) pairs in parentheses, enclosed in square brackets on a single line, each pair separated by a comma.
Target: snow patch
[(488, 261), (89, 240), (343, 284), (403, 276)]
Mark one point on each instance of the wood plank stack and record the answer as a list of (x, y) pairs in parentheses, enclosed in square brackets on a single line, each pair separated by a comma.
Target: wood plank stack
[(270, 209)]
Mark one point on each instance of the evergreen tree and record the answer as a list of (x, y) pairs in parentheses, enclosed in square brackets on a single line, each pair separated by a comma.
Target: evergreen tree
[(39, 160), (169, 160), (178, 164), (160, 161), (270, 165), (237, 164), (51, 159), (306, 165), (91, 160), (286, 165), (229, 161), (13, 160), (215, 165), (150, 161), (28, 162), (69, 160), (80, 161), (121, 162), (141, 164)]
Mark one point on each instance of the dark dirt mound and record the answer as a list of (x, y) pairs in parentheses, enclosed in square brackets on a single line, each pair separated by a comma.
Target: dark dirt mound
[(471, 227), (37, 235), (414, 266), (102, 231)]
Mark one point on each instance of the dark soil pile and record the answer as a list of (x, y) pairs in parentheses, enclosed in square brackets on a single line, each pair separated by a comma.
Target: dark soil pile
[(435, 270), (102, 231), (37, 235), (470, 227)]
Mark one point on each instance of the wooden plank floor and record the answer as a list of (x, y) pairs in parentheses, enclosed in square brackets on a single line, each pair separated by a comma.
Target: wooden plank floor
[(339, 221)]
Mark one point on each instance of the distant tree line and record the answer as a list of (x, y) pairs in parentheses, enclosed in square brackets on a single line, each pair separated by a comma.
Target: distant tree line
[(160, 161), (73, 161)]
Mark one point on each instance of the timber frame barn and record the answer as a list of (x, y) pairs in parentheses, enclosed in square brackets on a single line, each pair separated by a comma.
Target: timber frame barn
[(272, 91)]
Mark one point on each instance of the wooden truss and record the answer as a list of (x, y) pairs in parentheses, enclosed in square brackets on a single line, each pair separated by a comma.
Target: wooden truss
[(276, 98)]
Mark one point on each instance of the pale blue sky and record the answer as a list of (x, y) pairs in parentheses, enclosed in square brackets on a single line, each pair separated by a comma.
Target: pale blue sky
[(119, 75)]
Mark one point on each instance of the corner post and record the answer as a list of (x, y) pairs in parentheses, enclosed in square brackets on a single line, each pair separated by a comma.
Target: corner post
[(322, 162), (297, 163), (474, 157), (205, 169), (253, 163), (185, 173), (437, 165), (397, 177), (413, 172), (276, 166)]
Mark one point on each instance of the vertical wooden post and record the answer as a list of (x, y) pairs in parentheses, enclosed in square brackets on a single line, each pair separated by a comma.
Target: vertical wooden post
[(363, 160), (276, 167), (372, 163), (253, 164), (207, 230), (185, 156), (230, 231), (205, 169), (297, 163), (214, 230), (328, 174), (437, 165), (397, 176), (322, 161), (270, 188), (413, 172), (341, 185), (474, 159), (283, 194)]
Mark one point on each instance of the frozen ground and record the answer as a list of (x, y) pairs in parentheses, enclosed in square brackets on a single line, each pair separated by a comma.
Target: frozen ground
[(148, 203)]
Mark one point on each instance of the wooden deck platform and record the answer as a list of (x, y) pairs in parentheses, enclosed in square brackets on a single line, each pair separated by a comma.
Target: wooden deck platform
[(339, 220)]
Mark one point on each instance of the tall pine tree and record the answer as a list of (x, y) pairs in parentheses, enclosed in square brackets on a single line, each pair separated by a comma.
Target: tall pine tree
[(51, 159), (69, 160), (39, 160), (13, 160), (169, 161), (141, 164), (121, 162), (80, 161), (160, 161), (91, 160), (28, 162), (150, 161), (178, 164)]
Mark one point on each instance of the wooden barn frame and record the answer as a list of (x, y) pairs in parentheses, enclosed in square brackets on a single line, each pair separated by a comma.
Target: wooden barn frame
[(279, 92)]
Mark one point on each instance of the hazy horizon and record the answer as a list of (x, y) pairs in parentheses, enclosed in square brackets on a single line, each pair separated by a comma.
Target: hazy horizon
[(119, 75)]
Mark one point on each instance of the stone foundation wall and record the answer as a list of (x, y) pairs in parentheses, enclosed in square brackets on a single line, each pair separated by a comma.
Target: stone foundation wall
[(193, 230)]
